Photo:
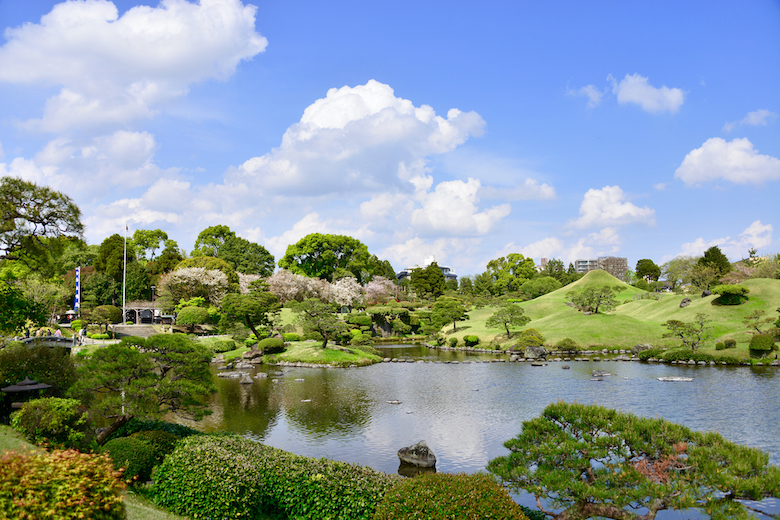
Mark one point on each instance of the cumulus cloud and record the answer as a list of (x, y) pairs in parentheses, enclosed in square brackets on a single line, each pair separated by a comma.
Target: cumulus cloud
[(550, 247), (361, 138), (530, 189), (661, 186), (756, 235), (757, 118), (114, 69), (736, 161), (447, 251), (593, 93), (606, 207), (636, 89)]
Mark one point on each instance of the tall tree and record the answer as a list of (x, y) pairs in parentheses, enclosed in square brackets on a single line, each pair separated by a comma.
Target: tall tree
[(449, 310), (256, 309), (329, 257), (429, 281), (242, 255), (148, 241), (111, 256), (30, 213), (511, 271), (595, 298), (714, 257), (317, 316), (508, 315), (16, 309), (678, 271), (647, 269)]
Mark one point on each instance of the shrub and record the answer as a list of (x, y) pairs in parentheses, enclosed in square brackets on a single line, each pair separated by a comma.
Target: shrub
[(656, 353), (401, 327), (316, 336), (191, 316), (761, 345), (271, 346), (291, 336), (76, 325), (731, 294), (361, 320), (453, 342), (440, 496), (471, 340), (56, 422), (229, 476), (223, 345), (59, 485), (100, 336), (53, 366), (567, 344), (162, 442), (136, 456), (730, 343), (529, 338), (361, 339), (720, 346), (139, 425)]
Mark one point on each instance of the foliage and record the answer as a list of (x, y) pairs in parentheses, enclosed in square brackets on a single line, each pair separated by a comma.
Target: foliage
[(730, 343), (232, 477), (100, 289), (291, 336), (137, 457), (471, 340), (380, 289), (511, 272), (539, 286), (59, 485), (646, 269), (347, 292), (361, 319), (449, 310), (316, 316), (762, 344), (685, 355), (731, 294), (443, 496), (53, 366), (16, 309), (146, 240), (363, 340), (191, 316), (691, 334), (163, 442), (210, 264), (655, 353), (720, 346), (714, 257), (31, 213), (242, 255), (106, 315), (704, 276), (189, 282), (595, 298), (591, 461), (329, 257), (53, 421), (678, 271), (756, 321), (257, 308), (168, 373), (271, 345), (428, 282), (135, 425), (567, 344), (111, 257), (529, 338), (223, 345), (508, 315)]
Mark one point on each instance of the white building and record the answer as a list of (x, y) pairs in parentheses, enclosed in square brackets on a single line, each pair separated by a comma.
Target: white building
[(447, 271)]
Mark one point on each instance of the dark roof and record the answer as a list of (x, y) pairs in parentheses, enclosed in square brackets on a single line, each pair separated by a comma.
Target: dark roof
[(26, 385)]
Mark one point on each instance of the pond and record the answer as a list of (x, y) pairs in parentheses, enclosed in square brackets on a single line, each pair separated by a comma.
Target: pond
[(466, 411)]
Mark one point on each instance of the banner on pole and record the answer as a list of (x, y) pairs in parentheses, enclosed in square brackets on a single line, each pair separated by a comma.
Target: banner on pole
[(77, 301)]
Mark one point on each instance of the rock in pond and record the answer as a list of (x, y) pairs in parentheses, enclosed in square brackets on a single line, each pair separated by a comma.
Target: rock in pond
[(246, 379), (419, 455)]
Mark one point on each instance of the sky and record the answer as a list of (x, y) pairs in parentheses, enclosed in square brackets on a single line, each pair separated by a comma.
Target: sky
[(460, 130)]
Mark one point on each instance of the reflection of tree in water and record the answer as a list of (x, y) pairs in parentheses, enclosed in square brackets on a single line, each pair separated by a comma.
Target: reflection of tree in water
[(333, 407)]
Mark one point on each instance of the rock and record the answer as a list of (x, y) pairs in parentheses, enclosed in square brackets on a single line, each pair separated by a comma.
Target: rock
[(419, 455), (586, 313), (565, 367), (535, 352), (246, 379), (705, 293), (600, 373), (244, 366), (261, 375), (231, 375), (636, 349), (685, 302)]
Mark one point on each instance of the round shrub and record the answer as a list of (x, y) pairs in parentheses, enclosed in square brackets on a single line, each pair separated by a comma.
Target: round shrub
[(529, 338), (453, 342), (361, 320), (567, 344), (76, 324), (223, 345), (59, 485), (731, 294), (316, 336), (362, 339), (471, 340), (291, 336), (720, 346), (162, 442), (191, 316), (761, 345), (401, 327), (271, 346), (730, 343), (440, 496), (56, 422), (136, 456)]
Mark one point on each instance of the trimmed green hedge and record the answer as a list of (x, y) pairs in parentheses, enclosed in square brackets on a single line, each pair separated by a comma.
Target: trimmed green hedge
[(761, 345), (731, 294), (471, 340), (443, 496), (56, 422), (136, 456), (229, 476), (271, 346), (567, 344), (139, 425), (291, 336), (223, 345)]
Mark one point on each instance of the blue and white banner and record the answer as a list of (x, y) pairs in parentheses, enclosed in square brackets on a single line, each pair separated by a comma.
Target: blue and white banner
[(77, 301)]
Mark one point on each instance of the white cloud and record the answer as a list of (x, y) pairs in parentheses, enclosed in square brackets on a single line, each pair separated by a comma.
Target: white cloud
[(661, 186), (528, 190), (549, 247), (606, 207), (759, 117), (447, 251), (452, 209), (2, 153), (116, 69), (593, 93), (757, 235), (736, 161), (636, 89), (359, 138)]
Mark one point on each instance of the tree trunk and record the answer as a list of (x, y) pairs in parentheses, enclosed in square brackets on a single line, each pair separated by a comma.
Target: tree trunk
[(118, 423)]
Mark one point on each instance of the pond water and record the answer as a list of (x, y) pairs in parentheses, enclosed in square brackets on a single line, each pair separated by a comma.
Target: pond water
[(466, 411)]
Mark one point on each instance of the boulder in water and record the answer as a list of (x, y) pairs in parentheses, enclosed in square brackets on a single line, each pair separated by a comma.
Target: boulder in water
[(419, 455)]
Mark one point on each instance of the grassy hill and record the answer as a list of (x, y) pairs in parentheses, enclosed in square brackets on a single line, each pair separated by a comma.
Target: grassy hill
[(632, 322)]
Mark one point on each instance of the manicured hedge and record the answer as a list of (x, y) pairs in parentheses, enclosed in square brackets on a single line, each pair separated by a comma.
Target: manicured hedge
[(761, 345), (223, 345), (291, 336), (59, 485), (56, 422), (136, 456), (443, 496), (471, 340), (271, 346), (567, 344), (232, 477), (139, 425)]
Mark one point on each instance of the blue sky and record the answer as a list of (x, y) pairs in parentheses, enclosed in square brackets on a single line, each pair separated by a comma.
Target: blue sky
[(465, 131)]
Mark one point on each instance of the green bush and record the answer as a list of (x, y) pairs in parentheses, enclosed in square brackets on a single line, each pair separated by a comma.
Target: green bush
[(60, 485), (399, 326), (453, 342), (271, 346), (223, 345), (362, 339), (100, 336), (229, 476), (529, 338), (471, 340), (316, 336), (162, 442), (191, 316), (656, 353), (291, 336), (136, 456), (361, 320), (53, 366), (687, 355), (730, 343), (53, 421), (76, 325), (731, 294), (139, 425), (761, 345), (567, 344), (443, 496), (720, 346)]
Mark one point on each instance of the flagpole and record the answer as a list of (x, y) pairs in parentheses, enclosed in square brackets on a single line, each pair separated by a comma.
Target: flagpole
[(124, 278)]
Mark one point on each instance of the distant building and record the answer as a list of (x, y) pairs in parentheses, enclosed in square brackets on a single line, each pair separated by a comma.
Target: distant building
[(447, 271), (614, 265), (542, 265)]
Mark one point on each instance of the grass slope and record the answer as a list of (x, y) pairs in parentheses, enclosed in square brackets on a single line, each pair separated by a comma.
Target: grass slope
[(632, 322)]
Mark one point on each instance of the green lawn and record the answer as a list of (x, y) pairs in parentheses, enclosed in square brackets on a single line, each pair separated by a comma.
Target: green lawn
[(312, 352)]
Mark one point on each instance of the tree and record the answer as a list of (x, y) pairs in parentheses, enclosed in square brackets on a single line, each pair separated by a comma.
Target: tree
[(449, 310), (257, 308), (484, 285), (316, 316), (147, 378), (53, 366), (714, 257), (30, 213), (16, 309), (346, 292), (595, 298), (691, 334), (189, 282), (702, 276), (539, 286), (380, 289), (111, 256), (591, 462), (106, 315), (508, 315), (100, 289), (756, 320), (511, 271), (192, 315), (211, 264), (731, 294), (678, 271), (46, 293), (647, 269), (247, 257), (428, 281), (146, 240), (329, 257)]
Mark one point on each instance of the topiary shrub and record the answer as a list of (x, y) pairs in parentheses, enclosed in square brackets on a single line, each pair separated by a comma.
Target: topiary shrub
[(139, 425), (656, 353), (399, 326), (568, 345), (137, 457), (361, 320), (291, 336), (59, 485), (720, 346), (440, 496), (53, 421), (316, 336), (271, 346), (730, 343), (730, 294), (162, 442), (76, 325), (761, 345), (223, 345), (191, 316), (471, 340), (453, 342), (529, 338), (361, 339)]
